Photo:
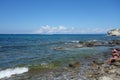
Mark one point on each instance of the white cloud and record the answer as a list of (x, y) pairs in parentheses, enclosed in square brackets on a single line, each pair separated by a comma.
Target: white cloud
[(64, 30), (53, 30), (91, 30)]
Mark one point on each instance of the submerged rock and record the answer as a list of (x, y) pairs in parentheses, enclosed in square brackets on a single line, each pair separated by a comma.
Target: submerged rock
[(114, 42), (98, 62), (58, 48), (78, 46), (74, 65), (92, 43)]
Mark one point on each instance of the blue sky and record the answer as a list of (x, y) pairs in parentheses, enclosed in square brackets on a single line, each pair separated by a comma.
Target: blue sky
[(58, 16)]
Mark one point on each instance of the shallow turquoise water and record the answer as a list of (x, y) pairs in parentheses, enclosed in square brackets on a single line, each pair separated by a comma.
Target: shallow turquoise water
[(34, 49)]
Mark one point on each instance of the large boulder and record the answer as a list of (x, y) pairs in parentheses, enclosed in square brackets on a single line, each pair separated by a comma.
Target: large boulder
[(114, 32)]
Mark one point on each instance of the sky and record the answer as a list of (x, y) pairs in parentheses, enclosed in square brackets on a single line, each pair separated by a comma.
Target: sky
[(59, 16)]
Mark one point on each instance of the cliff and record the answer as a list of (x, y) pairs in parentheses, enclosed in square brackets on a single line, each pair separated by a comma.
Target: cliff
[(114, 32)]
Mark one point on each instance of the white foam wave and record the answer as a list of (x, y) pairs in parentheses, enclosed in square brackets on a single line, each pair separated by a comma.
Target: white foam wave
[(75, 41), (12, 71)]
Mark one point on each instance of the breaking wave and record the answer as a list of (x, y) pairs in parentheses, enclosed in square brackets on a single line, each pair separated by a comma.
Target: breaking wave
[(12, 71), (75, 41)]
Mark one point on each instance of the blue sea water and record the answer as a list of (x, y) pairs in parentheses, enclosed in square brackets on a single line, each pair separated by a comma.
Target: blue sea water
[(33, 49)]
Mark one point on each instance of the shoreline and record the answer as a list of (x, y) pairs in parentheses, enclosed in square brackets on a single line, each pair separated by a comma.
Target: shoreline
[(88, 69), (83, 71)]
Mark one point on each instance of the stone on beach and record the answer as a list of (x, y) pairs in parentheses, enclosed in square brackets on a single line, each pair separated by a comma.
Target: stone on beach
[(105, 78), (74, 65)]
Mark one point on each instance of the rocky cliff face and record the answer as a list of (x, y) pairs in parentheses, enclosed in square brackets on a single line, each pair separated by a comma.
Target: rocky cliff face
[(114, 32)]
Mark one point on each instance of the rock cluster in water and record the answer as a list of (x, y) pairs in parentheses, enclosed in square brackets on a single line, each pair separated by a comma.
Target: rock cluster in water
[(94, 43), (97, 43)]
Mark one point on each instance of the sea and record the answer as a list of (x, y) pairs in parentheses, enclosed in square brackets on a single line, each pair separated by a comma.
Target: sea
[(20, 53)]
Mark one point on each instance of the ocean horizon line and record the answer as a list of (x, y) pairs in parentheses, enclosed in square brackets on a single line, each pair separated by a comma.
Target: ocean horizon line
[(54, 34)]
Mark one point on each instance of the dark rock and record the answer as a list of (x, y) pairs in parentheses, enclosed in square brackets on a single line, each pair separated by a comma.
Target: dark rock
[(89, 44), (117, 62), (99, 43), (114, 42), (98, 62), (74, 65), (58, 48), (81, 42), (94, 43), (118, 49)]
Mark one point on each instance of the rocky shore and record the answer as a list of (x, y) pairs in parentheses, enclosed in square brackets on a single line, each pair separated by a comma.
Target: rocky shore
[(94, 67), (93, 43), (103, 71)]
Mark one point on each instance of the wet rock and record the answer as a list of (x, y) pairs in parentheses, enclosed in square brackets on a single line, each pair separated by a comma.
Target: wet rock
[(89, 44), (81, 42), (97, 43), (74, 65), (94, 43), (58, 48), (114, 42), (98, 62), (85, 44), (78, 46)]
